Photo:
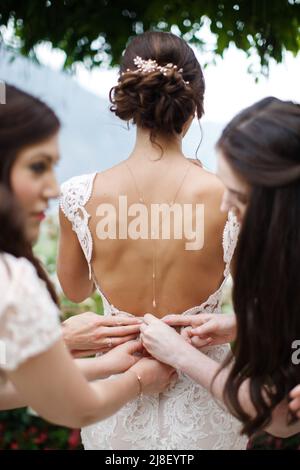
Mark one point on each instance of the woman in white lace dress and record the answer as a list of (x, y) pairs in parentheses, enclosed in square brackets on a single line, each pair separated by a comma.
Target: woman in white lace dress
[(35, 364), (259, 163), (137, 270)]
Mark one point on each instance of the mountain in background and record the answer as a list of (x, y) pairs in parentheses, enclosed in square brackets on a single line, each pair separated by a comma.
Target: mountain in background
[(92, 138)]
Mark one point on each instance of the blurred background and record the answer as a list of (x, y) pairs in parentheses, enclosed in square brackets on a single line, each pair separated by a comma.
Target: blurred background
[(67, 53)]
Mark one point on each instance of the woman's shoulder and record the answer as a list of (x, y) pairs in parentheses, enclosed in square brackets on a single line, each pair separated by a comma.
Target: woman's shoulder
[(21, 287), (204, 183), (11, 266), (75, 192), (206, 188), (29, 319), (107, 180), (16, 274), (78, 181)]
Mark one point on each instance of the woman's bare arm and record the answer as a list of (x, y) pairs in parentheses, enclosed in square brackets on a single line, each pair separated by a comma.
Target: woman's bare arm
[(116, 361), (72, 268), (202, 370), (55, 388)]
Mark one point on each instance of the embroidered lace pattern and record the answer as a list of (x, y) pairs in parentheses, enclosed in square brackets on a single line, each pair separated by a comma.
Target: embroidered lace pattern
[(29, 320), (184, 417), (75, 194)]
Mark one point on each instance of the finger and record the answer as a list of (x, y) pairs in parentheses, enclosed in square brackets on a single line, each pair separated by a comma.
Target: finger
[(186, 329), (185, 333), (295, 392), (178, 320), (134, 346), (122, 339), (173, 379), (115, 331), (294, 405), (149, 319), (200, 342), (120, 320), (204, 330)]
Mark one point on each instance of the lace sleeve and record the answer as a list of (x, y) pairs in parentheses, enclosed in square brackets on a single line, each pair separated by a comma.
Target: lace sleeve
[(230, 238), (75, 193), (29, 320)]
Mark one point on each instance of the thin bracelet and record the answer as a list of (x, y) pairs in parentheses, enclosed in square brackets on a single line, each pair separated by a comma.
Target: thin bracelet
[(139, 382)]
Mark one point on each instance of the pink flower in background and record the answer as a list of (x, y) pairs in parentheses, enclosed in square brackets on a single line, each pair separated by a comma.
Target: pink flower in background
[(74, 438)]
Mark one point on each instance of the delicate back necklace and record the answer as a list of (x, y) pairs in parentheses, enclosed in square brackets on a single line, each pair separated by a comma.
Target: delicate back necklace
[(143, 201)]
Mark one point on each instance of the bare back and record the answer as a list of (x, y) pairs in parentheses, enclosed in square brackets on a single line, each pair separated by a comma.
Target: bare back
[(123, 268)]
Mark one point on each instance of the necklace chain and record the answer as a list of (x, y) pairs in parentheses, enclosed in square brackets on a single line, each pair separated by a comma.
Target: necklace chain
[(142, 200)]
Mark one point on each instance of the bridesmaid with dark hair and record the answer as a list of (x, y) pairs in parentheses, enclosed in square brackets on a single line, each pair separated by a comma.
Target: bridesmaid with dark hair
[(36, 367), (259, 164)]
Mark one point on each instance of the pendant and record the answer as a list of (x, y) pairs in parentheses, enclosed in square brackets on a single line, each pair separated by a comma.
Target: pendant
[(154, 303)]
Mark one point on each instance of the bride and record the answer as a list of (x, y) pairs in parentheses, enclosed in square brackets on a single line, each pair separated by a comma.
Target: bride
[(160, 89)]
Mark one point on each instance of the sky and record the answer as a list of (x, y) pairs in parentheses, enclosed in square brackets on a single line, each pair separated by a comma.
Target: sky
[(229, 87)]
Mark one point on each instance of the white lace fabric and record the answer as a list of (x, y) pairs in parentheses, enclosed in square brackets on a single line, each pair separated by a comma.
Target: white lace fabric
[(29, 319), (184, 417)]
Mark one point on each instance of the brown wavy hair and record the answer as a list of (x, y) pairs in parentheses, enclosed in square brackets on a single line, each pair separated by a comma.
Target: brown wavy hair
[(24, 121), (262, 145), (161, 103)]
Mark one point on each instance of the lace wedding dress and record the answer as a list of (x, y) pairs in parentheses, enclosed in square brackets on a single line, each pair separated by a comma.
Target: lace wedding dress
[(29, 319), (184, 417)]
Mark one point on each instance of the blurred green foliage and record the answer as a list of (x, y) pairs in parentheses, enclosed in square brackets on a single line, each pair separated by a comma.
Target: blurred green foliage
[(46, 250), (93, 32)]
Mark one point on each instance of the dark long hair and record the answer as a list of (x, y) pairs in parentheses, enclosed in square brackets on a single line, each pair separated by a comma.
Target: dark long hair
[(162, 103), (262, 145), (24, 121)]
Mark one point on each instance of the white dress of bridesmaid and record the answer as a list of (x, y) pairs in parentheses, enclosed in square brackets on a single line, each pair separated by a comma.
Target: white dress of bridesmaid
[(186, 416), (29, 319)]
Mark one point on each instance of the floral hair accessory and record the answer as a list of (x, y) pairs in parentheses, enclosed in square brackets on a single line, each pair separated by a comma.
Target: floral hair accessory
[(150, 65)]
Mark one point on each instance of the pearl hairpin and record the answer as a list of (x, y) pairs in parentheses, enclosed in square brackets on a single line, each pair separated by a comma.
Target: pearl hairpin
[(150, 65)]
